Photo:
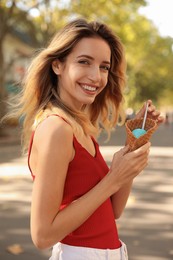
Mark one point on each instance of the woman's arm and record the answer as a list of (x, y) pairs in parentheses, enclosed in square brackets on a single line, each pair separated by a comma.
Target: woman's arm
[(54, 145), (119, 199)]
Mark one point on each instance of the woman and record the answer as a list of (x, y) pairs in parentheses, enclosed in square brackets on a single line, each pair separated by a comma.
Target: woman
[(72, 89)]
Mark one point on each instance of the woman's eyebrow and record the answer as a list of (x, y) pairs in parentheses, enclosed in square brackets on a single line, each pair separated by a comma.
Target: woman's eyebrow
[(85, 56), (91, 58)]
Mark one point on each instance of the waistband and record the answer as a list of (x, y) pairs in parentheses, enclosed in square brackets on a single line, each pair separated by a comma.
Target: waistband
[(66, 252)]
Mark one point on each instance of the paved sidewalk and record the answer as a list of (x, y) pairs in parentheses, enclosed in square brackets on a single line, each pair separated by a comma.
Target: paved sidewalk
[(146, 225)]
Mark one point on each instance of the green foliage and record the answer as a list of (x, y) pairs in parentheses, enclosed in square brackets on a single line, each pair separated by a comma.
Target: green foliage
[(167, 97), (15, 18), (51, 17)]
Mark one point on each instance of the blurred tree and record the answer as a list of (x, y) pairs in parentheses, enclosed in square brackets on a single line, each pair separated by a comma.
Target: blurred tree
[(150, 59), (37, 19), (48, 18), (11, 17)]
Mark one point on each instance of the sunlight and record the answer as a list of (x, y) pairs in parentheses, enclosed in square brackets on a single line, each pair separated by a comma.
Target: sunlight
[(160, 12)]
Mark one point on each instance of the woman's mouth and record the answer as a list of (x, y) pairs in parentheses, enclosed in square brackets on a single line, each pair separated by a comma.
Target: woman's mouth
[(89, 88)]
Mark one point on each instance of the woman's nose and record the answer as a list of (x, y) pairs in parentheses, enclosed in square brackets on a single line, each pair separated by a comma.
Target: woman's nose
[(94, 74)]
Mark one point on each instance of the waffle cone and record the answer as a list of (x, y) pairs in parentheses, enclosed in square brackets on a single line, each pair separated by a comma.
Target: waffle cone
[(133, 142)]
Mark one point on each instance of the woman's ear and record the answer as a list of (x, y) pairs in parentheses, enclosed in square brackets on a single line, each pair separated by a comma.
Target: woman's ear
[(56, 66)]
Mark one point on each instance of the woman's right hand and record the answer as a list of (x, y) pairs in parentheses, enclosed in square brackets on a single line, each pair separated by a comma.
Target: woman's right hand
[(127, 165)]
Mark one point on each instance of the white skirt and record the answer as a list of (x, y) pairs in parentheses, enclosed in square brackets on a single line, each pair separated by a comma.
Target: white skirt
[(65, 252)]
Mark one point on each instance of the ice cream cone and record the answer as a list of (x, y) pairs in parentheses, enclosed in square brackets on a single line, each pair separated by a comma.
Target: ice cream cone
[(150, 127)]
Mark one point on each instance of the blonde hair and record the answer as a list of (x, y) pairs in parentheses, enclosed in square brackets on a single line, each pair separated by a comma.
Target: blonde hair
[(40, 98)]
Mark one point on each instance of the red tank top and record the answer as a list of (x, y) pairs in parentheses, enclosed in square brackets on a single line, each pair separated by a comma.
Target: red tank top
[(84, 172)]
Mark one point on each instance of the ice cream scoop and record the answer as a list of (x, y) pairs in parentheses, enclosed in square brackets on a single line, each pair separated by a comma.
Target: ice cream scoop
[(138, 132), (141, 131)]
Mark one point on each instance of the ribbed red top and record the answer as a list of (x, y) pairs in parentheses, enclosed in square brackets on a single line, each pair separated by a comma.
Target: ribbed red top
[(84, 172)]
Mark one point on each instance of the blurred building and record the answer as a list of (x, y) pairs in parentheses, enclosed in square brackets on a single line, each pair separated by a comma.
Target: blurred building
[(18, 50)]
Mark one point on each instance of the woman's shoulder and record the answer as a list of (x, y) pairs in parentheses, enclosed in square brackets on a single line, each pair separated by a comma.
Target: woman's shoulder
[(54, 129)]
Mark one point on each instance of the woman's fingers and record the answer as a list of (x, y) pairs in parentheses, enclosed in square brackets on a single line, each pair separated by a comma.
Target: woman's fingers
[(124, 150), (141, 150), (152, 112), (160, 120)]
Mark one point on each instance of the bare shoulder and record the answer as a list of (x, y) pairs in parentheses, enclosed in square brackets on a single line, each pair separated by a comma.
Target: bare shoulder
[(53, 133)]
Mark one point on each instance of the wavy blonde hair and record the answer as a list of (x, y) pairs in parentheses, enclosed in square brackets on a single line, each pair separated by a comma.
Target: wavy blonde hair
[(39, 97)]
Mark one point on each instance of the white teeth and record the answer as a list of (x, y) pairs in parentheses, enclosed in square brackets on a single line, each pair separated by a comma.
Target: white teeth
[(88, 88)]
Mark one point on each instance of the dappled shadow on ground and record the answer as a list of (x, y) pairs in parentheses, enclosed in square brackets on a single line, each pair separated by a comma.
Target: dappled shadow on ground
[(147, 223), (15, 197), (10, 153), (10, 144)]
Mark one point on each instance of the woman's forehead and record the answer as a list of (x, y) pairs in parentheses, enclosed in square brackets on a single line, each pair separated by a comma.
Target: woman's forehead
[(95, 47)]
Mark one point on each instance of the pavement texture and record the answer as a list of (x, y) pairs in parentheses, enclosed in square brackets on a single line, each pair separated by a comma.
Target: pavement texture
[(146, 225)]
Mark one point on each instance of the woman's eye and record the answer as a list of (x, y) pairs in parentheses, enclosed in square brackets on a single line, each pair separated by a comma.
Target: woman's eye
[(83, 62), (105, 67)]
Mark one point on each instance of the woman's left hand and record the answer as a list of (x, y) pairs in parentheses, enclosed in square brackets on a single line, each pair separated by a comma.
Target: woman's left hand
[(152, 112)]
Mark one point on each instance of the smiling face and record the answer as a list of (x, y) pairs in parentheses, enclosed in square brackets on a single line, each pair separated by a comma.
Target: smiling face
[(84, 74)]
